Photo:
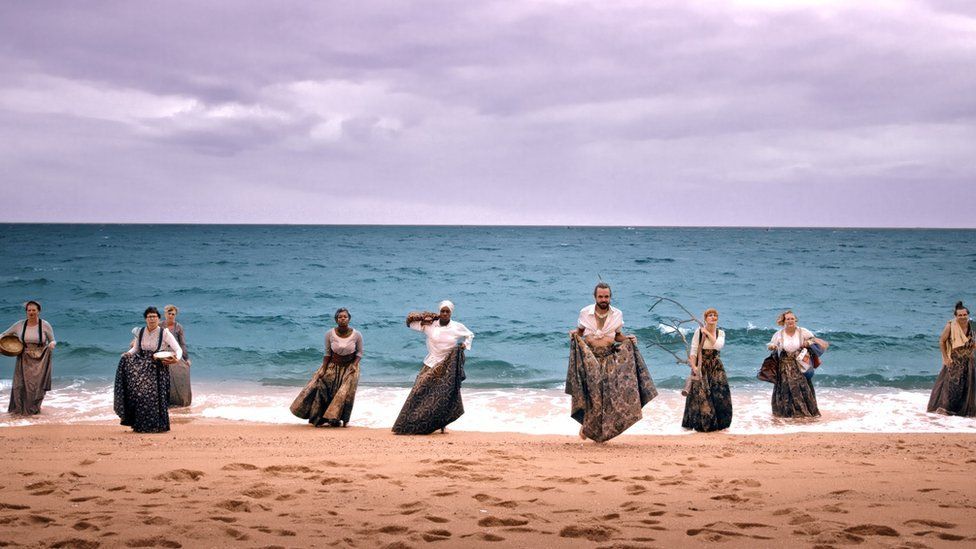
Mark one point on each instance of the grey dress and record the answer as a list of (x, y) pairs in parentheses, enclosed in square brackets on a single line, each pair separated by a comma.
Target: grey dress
[(32, 373), (180, 394)]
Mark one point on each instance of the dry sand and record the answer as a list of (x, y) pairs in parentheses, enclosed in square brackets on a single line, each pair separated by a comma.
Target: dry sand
[(229, 485)]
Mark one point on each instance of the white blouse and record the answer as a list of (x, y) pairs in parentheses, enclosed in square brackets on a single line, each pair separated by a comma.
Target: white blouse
[(707, 343), (442, 339), (588, 322), (793, 343), (150, 339), (30, 335), (343, 345)]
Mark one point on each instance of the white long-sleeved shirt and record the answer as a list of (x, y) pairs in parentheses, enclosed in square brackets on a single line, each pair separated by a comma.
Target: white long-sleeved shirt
[(588, 322), (441, 339), (150, 339), (707, 343), (790, 344)]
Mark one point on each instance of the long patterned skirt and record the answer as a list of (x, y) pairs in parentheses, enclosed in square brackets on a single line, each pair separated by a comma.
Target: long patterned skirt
[(32, 378), (329, 396), (954, 393), (435, 400), (180, 394), (142, 393), (708, 406), (608, 386), (793, 394)]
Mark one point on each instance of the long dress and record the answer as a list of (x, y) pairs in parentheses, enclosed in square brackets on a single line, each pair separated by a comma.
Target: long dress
[(142, 389), (708, 406), (435, 400), (32, 372), (331, 393), (608, 387), (180, 392), (954, 392), (793, 393)]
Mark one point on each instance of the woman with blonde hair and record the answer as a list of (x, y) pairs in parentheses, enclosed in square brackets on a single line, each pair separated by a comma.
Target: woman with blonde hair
[(180, 394), (793, 393), (954, 393), (708, 405)]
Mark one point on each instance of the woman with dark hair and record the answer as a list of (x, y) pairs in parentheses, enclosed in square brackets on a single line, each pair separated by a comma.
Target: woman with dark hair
[(708, 405), (142, 379), (954, 393), (32, 373), (329, 396), (793, 394)]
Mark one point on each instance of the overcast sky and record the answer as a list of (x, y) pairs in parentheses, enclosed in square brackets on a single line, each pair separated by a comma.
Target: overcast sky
[(759, 113)]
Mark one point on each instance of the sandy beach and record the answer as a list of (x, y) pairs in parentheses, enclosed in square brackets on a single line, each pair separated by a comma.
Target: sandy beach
[(248, 485)]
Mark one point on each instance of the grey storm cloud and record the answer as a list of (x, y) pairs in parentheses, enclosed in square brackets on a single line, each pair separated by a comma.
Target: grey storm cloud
[(504, 112)]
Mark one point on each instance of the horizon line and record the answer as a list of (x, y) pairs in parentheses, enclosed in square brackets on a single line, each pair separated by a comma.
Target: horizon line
[(464, 225)]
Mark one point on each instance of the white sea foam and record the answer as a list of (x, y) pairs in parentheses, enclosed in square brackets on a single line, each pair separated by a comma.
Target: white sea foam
[(532, 411)]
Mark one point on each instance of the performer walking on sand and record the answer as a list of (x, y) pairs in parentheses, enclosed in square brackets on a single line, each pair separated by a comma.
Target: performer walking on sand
[(708, 405), (793, 393), (435, 400), (329, 396), (180, 392), (32, 372), (607, 377), (142, 380), (954, 393)]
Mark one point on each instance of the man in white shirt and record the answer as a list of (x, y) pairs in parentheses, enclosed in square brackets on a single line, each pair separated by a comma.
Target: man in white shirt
[(600, 324)]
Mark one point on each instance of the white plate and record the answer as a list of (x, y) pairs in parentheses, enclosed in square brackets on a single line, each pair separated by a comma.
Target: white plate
[(164, 354)]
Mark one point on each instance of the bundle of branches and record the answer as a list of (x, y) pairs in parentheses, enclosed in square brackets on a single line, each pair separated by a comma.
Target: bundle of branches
[(416, 316), (674, 327)]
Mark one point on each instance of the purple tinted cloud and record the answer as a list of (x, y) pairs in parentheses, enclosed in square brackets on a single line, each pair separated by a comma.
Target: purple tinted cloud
[(491, 112)]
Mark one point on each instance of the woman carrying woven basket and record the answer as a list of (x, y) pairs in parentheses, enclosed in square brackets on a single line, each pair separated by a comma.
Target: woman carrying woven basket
[(708, 405), (32, 372), (142, 377), (954, 392), (793, 394), (328, 398), (435, 400)]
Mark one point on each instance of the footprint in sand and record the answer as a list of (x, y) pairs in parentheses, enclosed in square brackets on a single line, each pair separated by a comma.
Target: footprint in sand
[(438, 520), (239, 467), (235, 506), (872, 530), (75, 543), (157, 541), (436, 535), (220, 518), (157, 521), (598, 532), (283, 469), (13, 507), (393, 529), (491, 522), (236, 534), (735, 498), (932, 523), (258, 491), (180, 475), (42, 488)]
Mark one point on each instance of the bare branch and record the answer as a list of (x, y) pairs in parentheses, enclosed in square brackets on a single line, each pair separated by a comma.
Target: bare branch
[(675, 325)]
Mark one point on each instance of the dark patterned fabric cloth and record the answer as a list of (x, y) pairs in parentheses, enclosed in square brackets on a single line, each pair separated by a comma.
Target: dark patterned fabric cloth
[(954, 393), (708, 406), (793, 394), (32, 378), (435, 400), (329, 396), (142, 393), (180, 392), (608, 387)]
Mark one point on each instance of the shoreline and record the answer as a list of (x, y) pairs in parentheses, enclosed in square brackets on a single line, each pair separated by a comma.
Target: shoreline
[(289, 486)]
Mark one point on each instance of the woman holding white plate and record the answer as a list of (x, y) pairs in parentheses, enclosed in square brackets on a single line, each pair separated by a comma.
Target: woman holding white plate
[(142, 378)]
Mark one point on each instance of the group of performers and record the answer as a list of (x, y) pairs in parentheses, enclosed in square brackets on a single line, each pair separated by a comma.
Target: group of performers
[(607, 379)]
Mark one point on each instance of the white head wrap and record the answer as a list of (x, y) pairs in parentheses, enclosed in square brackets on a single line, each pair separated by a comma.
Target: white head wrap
[(446, 303)]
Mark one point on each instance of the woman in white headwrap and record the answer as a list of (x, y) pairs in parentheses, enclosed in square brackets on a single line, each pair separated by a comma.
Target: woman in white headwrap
[(435, 400), (954, 393)]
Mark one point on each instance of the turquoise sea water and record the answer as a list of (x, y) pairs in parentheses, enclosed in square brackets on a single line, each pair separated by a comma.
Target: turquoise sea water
[(256, 300)]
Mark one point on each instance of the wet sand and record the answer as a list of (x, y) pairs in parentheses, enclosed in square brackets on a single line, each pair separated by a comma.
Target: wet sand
[(248, 485)]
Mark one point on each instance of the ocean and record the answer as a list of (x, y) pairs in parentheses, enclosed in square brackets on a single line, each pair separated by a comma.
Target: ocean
[(256, 301)]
